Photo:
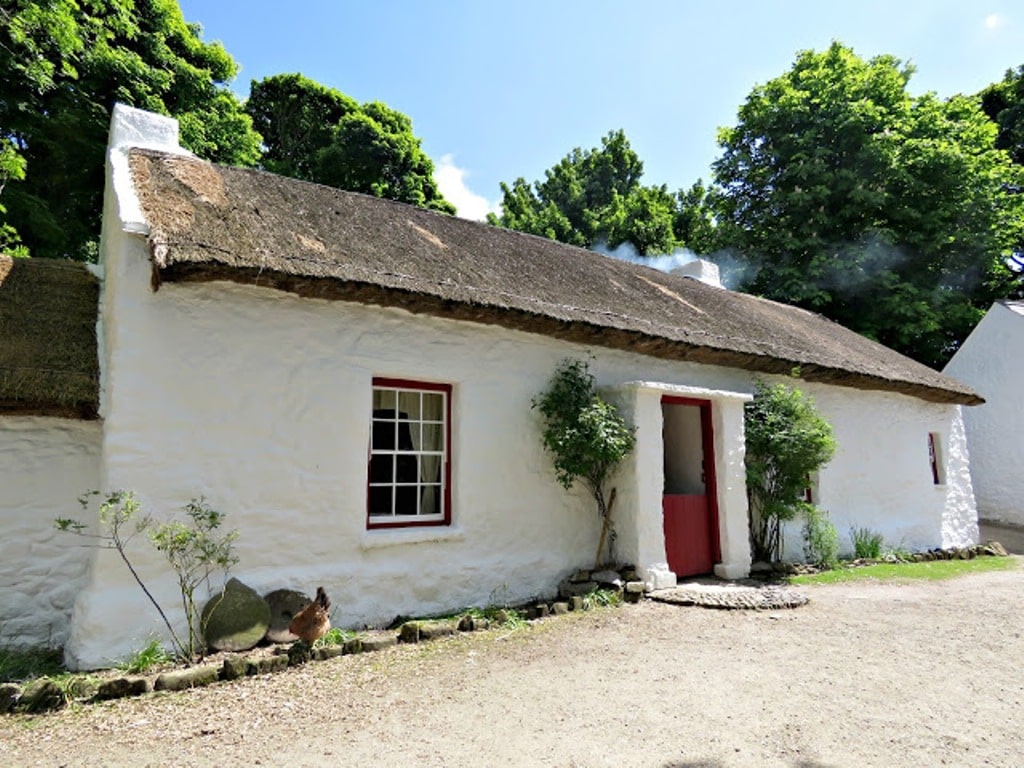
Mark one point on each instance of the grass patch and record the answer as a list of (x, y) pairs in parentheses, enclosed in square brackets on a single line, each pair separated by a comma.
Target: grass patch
[(932, 570), (20, 664), (150, 656), (335, 636)]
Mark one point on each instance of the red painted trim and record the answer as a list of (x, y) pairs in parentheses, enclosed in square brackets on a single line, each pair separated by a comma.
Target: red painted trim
[(679, 400), (933, 457), (707, 429), (426, 386)]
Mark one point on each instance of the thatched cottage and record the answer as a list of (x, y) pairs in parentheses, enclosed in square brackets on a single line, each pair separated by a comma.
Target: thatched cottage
[(349, 379)]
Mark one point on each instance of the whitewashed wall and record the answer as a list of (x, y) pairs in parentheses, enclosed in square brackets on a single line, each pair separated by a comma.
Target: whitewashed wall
[(881, 476), (992, 361), (45, 465)]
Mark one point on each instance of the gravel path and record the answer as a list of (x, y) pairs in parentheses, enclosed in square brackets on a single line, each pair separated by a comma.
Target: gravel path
[(865, 675)]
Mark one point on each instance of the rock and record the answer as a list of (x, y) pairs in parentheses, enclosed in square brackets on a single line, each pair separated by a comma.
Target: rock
[(266, 665), (9, 695), (658, 576), (193, 677), (234, 667), (431, 630), (607, 578), (997, 549), (378, 642), (466, 623), (328, 652), (283, 605), (559, 608), (354, 645), (576, 603), (580, 576), (42, 695), (409, 633), (576, 588), (121, 687), (299, 653), (236, 619)]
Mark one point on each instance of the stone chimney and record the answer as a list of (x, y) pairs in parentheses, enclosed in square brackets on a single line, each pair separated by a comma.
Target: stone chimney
[(700, 269)]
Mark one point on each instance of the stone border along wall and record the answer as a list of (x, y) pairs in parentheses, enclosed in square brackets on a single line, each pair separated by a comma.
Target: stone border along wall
[(44, 694)]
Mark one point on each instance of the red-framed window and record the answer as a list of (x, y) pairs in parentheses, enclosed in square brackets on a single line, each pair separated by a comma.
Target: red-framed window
[(936, 459), (409, 472)]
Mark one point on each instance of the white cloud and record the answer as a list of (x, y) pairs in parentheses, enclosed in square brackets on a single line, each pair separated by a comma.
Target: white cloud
[(451, 180), (994, 21)]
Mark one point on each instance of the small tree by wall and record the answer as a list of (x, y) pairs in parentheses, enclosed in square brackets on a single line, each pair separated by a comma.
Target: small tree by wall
[(585, 436), (786, 441)]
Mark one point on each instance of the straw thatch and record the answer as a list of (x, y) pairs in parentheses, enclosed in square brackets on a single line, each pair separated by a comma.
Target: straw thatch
[(214, 223), (48, 359)]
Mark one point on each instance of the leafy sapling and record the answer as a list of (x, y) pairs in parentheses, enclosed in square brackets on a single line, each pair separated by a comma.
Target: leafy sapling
[(585, 436)]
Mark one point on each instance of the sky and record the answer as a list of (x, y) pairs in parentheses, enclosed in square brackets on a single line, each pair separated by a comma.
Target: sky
[(502, 90)]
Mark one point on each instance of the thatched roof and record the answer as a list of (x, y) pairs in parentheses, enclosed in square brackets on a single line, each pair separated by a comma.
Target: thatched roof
[(48, 359), (215, 223)]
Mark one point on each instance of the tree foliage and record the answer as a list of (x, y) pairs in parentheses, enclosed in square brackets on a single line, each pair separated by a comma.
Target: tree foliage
[(886, 212), (585, 436), (63, 65), (786, 441), (593, 196), (319, 134)]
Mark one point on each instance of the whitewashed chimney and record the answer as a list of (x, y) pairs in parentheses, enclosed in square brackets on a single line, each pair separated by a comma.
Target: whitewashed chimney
[(700, 269)]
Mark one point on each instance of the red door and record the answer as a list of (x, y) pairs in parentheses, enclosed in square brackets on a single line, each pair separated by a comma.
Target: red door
[(689, 503)]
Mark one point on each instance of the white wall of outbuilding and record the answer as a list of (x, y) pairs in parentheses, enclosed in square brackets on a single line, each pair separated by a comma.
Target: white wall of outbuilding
[(992, 361)]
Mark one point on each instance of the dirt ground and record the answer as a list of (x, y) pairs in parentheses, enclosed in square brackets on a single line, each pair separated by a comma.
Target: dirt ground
[(865, 675)]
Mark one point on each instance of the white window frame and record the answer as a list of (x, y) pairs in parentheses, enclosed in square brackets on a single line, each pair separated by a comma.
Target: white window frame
[(398, 455)]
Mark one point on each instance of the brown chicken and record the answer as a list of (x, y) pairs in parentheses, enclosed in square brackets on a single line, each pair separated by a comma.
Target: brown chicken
[(313, 621)]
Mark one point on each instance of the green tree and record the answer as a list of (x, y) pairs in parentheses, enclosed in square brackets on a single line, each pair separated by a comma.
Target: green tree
[(374, 151), (585, 436), (296, 118), (319, 134), (885, 212), (786, 441), (63, 65), (1003, 102), (593, 196), (694, 223)]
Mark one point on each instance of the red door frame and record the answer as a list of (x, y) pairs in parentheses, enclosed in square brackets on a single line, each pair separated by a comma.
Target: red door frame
[(707, 430)]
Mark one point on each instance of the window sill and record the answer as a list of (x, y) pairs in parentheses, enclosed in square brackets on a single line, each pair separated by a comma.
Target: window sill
[(393, 537)]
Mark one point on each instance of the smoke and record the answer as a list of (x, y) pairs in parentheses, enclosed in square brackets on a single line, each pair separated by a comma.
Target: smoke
[(732, 272)]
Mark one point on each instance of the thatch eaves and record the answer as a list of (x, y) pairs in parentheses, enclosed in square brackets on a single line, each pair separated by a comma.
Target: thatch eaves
[(209, 222), (48, 352)]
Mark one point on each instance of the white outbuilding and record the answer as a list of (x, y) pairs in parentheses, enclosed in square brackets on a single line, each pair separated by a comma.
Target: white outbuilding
[(991, 360), (349, 380)]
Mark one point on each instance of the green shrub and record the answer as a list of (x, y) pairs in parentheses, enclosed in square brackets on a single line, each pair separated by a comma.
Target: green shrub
[(867, 544), (786, 440), (150, 656), (821, 540)]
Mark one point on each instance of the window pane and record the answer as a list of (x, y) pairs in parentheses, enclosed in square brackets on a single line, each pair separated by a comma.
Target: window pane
[(431, 499), (380, 500), (405, 500), (383, 437), (409, 404), (433, 406), (382, 468), (384, 398), (433, 437)]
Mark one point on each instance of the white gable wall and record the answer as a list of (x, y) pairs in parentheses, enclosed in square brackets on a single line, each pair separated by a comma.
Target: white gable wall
[(46, 464), (992, 361), (881, 475)]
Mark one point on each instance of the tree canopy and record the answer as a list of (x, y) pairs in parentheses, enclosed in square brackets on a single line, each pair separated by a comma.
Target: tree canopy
[(593, 197), (889, 213), (63, 65), (319, 134)]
